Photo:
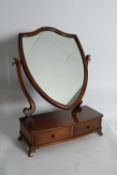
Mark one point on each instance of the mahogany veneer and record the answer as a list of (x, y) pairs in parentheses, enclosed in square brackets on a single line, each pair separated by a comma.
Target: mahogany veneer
[(59, 126)]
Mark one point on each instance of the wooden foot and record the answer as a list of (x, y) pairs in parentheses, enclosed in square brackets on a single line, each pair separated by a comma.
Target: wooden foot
[(31, 151), (100, 132)]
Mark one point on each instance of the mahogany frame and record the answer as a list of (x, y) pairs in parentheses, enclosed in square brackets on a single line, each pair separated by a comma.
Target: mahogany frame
[(57, 126), (23, 62)]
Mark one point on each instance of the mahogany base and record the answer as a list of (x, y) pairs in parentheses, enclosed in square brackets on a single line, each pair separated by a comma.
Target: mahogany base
[(59, 126)]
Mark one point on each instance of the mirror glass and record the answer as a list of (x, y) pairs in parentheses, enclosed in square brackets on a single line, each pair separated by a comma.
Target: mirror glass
[(56, 64)]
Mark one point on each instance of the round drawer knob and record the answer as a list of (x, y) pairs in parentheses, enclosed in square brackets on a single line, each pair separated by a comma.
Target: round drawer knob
[(52, 136), (88, 126)]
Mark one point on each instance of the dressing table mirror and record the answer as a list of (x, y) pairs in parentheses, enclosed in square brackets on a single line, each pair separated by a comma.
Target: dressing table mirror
[(56, 66)]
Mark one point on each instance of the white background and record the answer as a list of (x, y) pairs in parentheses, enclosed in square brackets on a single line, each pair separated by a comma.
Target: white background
[(95, 23)]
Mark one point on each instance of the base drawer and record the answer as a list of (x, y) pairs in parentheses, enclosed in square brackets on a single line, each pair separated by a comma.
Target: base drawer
[(86, 127), (50, 136)]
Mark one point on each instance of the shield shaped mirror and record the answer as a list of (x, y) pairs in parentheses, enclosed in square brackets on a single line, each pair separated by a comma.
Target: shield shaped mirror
[(55, 64)]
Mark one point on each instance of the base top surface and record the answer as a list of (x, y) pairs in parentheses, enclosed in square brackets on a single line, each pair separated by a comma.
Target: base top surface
[(87, 113), (51, 120), (62, 118)]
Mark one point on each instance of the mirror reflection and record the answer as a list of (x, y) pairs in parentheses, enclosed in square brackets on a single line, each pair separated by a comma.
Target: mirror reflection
[(55, 63)]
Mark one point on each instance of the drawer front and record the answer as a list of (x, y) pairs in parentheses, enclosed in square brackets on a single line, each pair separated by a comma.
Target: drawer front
[(86, 127), (89, 126), (52, 135)]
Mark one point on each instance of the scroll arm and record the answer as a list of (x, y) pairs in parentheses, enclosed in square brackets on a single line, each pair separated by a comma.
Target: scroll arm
[(28, 111)]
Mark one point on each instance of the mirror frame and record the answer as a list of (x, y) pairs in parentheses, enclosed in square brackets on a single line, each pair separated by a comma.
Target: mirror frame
[(78, 101)]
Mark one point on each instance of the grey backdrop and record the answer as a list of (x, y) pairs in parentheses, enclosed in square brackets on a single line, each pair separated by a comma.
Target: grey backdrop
[(93, 21)]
